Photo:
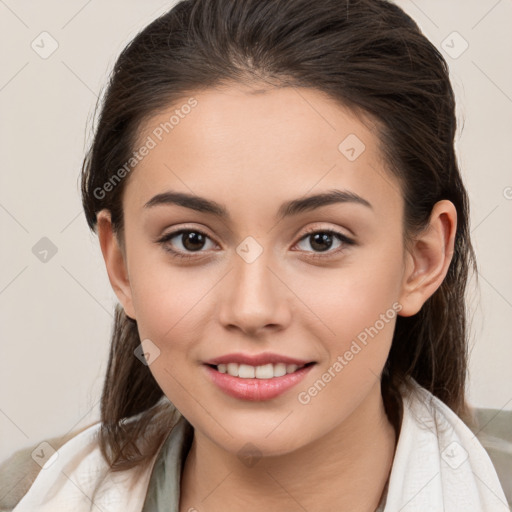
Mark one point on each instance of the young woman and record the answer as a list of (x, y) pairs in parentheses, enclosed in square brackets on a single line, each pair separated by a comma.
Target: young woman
[(278, 203)]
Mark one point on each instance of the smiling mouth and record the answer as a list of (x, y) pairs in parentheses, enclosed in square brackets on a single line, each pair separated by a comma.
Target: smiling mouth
[(266, 371)]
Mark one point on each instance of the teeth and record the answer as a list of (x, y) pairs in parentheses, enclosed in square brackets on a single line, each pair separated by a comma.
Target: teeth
[(266, 371), (246, 372), (279, 369)]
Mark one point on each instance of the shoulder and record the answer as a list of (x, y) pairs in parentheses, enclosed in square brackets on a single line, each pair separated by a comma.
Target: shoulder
[(440, 454), (74, 477), (494, 430), (18, 472)]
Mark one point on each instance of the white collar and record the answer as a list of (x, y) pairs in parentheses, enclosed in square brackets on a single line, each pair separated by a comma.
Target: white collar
[(439, 465)]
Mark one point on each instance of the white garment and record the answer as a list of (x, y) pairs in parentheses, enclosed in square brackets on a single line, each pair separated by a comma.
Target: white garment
[(439, 466)]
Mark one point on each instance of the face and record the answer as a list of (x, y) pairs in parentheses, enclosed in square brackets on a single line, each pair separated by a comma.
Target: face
[(320, 283)]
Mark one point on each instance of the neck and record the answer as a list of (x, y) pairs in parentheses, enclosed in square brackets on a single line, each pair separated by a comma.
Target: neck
[(345, 470)]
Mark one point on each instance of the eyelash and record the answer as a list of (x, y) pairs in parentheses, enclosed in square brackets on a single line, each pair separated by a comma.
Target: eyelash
[(179, 254)]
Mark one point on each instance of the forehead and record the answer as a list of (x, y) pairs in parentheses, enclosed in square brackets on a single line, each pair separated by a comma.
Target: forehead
[(259, 143), (241, 117)]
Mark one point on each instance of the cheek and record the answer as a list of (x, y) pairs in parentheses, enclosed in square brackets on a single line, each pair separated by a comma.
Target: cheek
[(168, 303), (360, 310), (353, 297), (171, 312), (357, 306), (163, 294)]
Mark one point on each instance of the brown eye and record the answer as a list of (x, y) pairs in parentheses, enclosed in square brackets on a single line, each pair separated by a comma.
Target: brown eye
[(192, 240), (322, 240), (184, 241)]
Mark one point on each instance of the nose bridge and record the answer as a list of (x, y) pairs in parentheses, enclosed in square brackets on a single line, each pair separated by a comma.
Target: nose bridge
[(255, 297)]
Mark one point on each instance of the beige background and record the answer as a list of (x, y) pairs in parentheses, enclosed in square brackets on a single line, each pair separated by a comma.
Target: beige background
[(56, 316)]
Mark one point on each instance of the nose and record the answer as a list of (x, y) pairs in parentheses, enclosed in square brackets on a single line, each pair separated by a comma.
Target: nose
[(255, 297)]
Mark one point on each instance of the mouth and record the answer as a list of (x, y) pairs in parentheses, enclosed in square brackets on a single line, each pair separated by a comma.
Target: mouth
[(256, 383), (265, 371)]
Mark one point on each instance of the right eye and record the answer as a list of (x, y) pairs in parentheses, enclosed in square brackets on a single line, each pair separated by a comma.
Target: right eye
[(191, 241)]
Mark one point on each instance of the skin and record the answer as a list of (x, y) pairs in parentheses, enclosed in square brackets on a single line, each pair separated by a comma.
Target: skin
[(251, 152)]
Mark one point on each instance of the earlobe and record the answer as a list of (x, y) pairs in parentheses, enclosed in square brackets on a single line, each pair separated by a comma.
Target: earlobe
[(428, 259), (115, 262)]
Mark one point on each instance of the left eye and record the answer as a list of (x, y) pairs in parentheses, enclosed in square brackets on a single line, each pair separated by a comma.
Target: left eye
[(322, 240)]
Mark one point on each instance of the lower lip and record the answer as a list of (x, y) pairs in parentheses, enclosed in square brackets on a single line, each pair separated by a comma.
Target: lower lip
[(256, 389)]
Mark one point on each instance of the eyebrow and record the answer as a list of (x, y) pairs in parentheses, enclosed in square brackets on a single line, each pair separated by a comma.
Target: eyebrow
[(287, 209)]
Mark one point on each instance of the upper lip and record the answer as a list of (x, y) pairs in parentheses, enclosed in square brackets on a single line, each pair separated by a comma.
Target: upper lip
[(257, 359)]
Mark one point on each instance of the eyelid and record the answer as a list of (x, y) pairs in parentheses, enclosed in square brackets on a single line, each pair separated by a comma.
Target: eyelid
[(175, 231), (324, 229)]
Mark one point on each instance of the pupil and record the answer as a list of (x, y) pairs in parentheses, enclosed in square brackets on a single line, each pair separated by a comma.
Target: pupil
[(321, 238), (193, 241)]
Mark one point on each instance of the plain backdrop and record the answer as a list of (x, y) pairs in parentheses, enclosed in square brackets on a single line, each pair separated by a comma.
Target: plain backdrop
[(56, 315)]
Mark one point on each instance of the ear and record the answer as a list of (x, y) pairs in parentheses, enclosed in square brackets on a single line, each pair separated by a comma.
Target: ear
[(428, 258), (115, 261)]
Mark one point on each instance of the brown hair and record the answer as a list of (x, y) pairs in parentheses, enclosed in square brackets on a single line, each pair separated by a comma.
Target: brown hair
[(366, 54)]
